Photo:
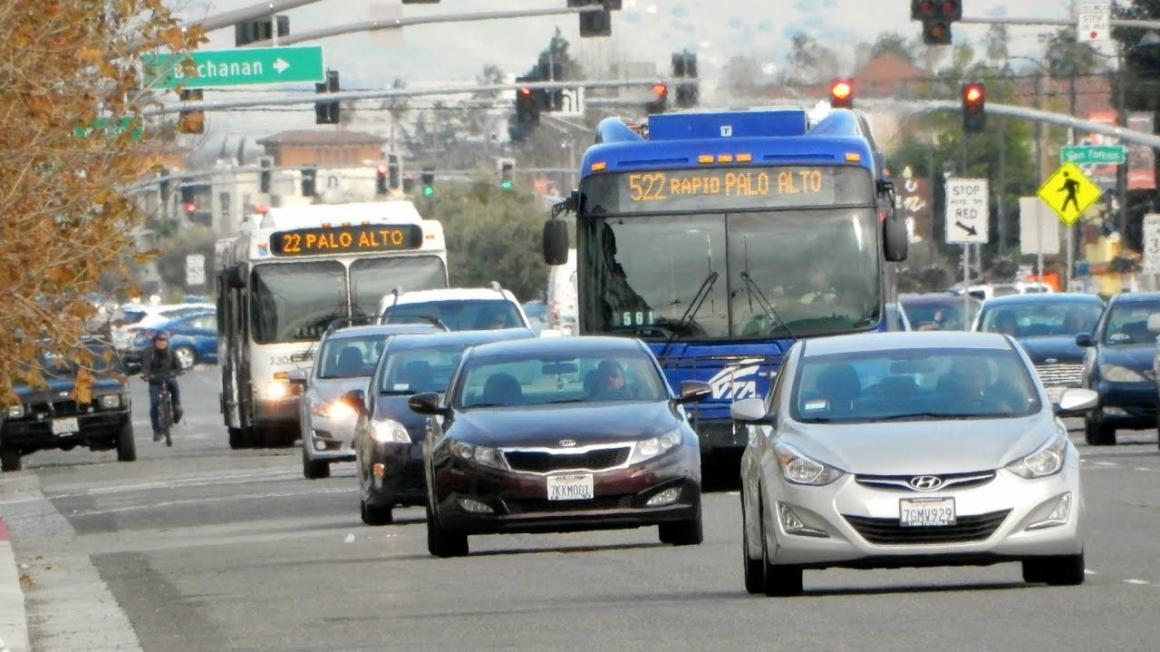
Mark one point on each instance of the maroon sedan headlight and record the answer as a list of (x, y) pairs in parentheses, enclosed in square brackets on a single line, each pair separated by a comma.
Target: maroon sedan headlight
[(647, 449), (483, 455)]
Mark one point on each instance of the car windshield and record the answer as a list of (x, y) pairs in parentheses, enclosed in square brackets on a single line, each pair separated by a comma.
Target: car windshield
[(350, 357), (942, 315), (427, 369), (903, 384), (459, 315), (1042, 318), (1127, 323), (519, 380)]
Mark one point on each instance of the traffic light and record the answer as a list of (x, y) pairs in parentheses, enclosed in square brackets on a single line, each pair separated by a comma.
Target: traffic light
[(191, 122), (596, 23), (660, 91), (264, 175), (974, 107), (428, 179), (936, 17), (393, 170), (327, 113), (528, 103), (506, 165), (253, 31), (381, 187), (685, 68), (163, 186), (842, 94), (309, 176)]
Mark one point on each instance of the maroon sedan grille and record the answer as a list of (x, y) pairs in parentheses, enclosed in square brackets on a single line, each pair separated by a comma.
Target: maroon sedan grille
[(535, 505), (545, 462)]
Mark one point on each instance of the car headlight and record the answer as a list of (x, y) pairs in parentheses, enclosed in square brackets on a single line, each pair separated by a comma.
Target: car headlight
[(15, 412), (799, 469), (389, 431), (275, 390), (485, 455), (1046, 460), (110, 401), (338, 409), (655, 446), (1118, 374)]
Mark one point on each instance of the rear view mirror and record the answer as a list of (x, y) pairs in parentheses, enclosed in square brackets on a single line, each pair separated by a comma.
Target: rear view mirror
[(694, 390), (750, 410), (1085, 340), (297, 376), (556, 242), (1076, 401), (1154, 323), (895, 240), (559, 368), (427, 403)]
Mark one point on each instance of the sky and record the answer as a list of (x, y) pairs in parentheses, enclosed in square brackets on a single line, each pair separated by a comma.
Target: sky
[(645, 30)]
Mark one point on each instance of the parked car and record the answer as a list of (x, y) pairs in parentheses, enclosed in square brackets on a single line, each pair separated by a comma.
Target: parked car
[(388, 439), (1118, 365), (132, 317), (939, 311), (459, 309), (193, 338), (1046, 326), (345, 361), (908, 449), (560, 434), (51, 417)]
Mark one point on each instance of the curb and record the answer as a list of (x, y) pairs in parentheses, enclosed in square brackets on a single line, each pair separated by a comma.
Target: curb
[(13, 622)]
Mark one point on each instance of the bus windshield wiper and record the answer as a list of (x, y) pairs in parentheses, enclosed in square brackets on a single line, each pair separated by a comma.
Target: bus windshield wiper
[(765, 303), (691, 311)]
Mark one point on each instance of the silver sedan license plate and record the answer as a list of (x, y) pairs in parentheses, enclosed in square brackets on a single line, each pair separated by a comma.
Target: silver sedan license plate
[(926, 512), (575, 486), (66, 426)]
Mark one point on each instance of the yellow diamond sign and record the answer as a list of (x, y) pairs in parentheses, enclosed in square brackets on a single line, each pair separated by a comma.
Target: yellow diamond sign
[(1069, 193)]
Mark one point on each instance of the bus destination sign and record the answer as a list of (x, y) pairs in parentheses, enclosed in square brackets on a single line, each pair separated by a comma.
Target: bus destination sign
[(363, 238)]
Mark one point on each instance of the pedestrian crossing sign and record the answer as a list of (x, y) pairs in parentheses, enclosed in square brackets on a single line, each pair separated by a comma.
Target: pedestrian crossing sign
[(1069, 193)]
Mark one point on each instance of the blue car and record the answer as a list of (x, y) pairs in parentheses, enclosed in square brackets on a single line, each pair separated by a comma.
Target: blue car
[(1118, 365), (192, 337)]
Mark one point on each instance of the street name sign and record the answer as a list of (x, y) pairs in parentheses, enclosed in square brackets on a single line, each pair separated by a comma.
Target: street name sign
[(1152, 243), (244, 67), (1094, 155), (1069, 193), (966, 211), (1093, 21)]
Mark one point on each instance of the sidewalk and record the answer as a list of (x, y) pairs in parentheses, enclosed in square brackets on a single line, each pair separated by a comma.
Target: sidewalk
[(13, 623)]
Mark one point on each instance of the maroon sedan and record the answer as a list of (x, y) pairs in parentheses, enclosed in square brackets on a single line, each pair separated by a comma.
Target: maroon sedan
[(560, 434)]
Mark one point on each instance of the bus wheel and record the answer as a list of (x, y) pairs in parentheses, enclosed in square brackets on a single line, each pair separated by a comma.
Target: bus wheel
[(238, 438)]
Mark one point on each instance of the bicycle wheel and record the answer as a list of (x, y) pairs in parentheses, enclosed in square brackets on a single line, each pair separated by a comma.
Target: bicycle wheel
[(165, 416)]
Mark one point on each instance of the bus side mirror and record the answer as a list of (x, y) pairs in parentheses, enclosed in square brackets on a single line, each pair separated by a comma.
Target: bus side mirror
[(236, 277), (895, 241), (556, 242)]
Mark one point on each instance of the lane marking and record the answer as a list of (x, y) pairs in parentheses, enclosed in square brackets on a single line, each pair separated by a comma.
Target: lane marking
[(1136, 581), (1108, 464), (349, 538), (1088, 571), (219, 499), (1143, 468)]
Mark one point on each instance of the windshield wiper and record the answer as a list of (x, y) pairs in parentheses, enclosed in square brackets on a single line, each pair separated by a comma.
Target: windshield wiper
[(933, 415), (691, 311), (766, 305)]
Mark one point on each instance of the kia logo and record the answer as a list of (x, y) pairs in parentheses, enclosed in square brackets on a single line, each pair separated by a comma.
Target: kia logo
[(926, 482), (567, 443)]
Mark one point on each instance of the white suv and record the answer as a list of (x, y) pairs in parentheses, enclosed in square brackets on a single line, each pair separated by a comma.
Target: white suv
[(458, 309)]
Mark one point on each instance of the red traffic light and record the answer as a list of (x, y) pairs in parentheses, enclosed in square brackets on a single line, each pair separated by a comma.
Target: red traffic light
[(660, 89), (190, 208), (381, 169), (525, 91), (842, 94), (974, 96)]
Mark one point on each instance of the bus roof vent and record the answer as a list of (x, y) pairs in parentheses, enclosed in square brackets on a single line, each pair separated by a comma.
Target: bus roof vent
[(745, 124)]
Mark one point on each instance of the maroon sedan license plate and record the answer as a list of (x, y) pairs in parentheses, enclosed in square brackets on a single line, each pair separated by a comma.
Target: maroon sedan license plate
[(574, 486)]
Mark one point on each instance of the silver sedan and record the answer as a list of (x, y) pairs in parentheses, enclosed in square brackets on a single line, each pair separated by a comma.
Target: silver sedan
[(909, 449)]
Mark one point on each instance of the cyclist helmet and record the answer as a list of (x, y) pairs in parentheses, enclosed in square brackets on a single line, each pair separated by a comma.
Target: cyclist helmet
[(161, 335)]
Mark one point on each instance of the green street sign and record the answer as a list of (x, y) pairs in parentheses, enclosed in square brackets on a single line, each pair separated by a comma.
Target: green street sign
[(110, 128), (1099, 155), (243, 67)]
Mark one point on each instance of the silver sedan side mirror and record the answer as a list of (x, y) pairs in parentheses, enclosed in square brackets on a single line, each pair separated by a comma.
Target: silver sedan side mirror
[(750, 410), (1075, 401)]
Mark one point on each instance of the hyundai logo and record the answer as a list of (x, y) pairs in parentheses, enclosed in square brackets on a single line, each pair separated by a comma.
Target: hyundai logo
[(567, 443), (926, 482), (1051, 360)]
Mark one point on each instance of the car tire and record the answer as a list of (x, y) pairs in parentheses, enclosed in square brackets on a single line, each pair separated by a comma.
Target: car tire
[(186, 356), (376, 514), (778, 580), (753, 568), (1097, 434), (1062, 570), (442, 543), (10, 459), (682, 533), (126, 445), (314, 469)]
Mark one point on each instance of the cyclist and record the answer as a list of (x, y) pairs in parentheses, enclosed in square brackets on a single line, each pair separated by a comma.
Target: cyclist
[(159, 365)]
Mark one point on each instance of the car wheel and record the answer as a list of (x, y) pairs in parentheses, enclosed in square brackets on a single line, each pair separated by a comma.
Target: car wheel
[(1062, 570), (186, 356), (314, 469), (10, 459), (754, 580), (682, 533), (126, 445), (375, 514), (778, 581), (442, 543), (1097, 434)]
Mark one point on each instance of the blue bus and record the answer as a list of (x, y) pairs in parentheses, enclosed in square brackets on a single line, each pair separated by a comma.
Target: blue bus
[(721, 238)]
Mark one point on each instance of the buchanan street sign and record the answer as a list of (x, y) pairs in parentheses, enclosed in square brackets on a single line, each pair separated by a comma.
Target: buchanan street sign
[(245, 67)]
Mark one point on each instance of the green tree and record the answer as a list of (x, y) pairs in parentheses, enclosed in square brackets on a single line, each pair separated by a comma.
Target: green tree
[(887, 43), (810, 62)]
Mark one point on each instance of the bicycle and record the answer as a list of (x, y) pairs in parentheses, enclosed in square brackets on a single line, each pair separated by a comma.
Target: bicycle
[(165, 413)]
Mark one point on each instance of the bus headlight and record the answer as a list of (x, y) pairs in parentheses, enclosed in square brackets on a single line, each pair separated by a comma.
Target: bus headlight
[(275, 390)]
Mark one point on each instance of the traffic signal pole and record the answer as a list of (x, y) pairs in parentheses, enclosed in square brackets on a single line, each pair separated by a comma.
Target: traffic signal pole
[(260, 10)]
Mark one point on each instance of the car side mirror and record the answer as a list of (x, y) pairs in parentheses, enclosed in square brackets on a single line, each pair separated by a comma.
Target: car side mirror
[(1154, 323), (750, 410), (1085, 340), (1076, 401), (297, 377), (357, 400), (693, 391), (427, 403)]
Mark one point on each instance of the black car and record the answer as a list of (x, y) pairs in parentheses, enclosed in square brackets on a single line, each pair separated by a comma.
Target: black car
[(388, 436), (939, 311), (50, 417), (1046, 325), (1118, 365), (560, 434)]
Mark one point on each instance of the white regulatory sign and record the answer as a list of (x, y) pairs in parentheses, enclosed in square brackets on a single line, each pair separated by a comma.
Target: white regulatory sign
[(966, 211), (1152, 243), (571, 102), (194, 270), (1093, 21)]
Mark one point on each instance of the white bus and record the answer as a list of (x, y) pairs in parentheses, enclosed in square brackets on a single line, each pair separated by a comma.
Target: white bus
[(286, 277)]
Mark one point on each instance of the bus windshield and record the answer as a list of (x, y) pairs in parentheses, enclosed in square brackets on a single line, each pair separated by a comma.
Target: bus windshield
[(295, 302), (786, 273), (372, 278)]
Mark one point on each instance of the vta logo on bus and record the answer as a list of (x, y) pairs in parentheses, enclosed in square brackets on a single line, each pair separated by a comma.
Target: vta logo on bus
[(735, 382)]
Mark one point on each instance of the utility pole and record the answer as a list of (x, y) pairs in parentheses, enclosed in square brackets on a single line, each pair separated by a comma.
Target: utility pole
[(1001, 205)]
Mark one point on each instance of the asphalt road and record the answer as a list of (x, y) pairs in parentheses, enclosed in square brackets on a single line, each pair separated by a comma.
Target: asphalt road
[(199, 547)]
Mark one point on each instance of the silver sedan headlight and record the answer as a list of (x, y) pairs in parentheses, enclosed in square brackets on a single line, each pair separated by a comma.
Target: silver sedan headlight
[(1046, 460), (338, 410), (799, 469), (655, 446), (389, 431), (1117, 374)]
